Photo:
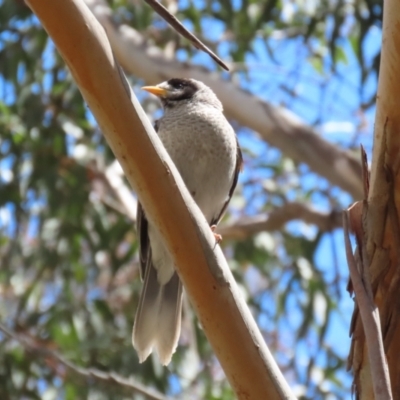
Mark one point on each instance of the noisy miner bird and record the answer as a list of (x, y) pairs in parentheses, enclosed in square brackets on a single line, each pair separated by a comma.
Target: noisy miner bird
[(204, 148)]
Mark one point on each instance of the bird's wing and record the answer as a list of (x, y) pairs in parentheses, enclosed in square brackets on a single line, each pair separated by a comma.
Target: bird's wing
[(144, 244), (142, 227), (238, 168)]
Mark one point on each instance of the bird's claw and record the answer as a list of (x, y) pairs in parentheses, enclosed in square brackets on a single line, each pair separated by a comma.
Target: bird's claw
[(218, 237)]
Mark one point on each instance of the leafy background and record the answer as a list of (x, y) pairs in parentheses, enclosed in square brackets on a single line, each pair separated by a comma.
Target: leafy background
[(69, 281)]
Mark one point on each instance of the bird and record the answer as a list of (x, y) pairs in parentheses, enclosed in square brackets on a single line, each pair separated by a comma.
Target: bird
[(204, 148)]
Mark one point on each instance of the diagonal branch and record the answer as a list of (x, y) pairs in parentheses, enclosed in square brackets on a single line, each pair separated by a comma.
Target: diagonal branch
[(278, 126), (32, 345), (221, 309)]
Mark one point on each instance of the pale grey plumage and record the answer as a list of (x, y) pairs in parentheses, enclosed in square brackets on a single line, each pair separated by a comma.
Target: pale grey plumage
[(204, 148)]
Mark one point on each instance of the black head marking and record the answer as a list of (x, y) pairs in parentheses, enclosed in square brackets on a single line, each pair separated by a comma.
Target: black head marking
[(187, 85), (182, 89)]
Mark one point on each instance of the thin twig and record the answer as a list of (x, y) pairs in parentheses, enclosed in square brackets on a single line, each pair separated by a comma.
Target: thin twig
[(177, 25), (371, 322), (32, 346)]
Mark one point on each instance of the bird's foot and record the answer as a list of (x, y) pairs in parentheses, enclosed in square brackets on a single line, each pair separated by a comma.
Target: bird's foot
[(218, 237)]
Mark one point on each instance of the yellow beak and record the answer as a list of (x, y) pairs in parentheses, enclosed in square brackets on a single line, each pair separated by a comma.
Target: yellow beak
[(155, 90)]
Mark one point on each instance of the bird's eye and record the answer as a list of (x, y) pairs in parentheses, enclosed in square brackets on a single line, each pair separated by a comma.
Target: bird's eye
[(177, 84)]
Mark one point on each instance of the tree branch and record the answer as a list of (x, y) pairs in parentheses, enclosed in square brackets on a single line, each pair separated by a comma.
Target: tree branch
[(221, 309), (276, 125), (32, 345), (276, 219)]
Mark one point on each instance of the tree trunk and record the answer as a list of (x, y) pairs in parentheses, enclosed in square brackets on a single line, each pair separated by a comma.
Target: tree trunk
[(381, 223)]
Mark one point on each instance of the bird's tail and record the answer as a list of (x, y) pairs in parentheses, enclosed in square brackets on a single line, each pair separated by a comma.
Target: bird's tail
[(158, 318)]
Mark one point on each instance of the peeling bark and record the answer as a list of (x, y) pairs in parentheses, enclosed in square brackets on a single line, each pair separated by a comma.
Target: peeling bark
[(380, 219)]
